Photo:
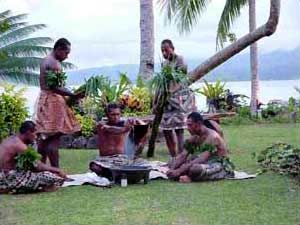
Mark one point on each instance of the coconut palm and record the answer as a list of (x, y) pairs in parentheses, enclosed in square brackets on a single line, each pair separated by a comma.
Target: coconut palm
[(147, 39), (19, 54), (185, 14), (230, 13)]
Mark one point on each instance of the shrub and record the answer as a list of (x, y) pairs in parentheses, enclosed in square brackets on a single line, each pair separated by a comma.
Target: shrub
[(87, 125), (13, 110)]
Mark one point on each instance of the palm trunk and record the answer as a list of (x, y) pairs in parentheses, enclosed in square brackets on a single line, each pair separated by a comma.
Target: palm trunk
[(220, 57), (253, 60), (147, 39)]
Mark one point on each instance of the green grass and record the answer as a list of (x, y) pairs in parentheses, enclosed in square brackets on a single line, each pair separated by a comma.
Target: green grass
[(268, 199)]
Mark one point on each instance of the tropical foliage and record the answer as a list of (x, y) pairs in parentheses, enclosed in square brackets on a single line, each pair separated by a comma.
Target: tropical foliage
[(185, 14), (20, 55), (13, 110), (282, 158)]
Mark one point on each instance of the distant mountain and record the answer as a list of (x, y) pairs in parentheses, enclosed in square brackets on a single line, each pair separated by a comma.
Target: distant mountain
[(277, 65)]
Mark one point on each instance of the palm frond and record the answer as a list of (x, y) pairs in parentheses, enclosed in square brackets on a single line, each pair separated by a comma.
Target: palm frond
[(30, 42), (25, 50), (14, 19), (231, 11), (16, 76), (5, 14), (21, 63), (68, 66), (184, 13), (18, 34)]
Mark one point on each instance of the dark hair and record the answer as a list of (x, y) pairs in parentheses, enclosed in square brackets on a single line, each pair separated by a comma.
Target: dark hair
[(27, 126), (197, 118), (62, 43), (111, 106), (169, 42)]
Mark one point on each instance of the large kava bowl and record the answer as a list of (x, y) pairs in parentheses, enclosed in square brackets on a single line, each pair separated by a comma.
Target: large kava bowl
[(134, 174)]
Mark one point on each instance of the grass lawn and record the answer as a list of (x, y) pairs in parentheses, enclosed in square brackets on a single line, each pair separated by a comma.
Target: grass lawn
[(268, 199)]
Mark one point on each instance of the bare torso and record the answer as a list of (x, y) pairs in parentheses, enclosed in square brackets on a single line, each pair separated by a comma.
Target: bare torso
[(9, 148), (111, 143), (49, 63)]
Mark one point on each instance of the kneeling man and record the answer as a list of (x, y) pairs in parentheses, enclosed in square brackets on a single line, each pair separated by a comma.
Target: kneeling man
[(14, 180), (204, 157)]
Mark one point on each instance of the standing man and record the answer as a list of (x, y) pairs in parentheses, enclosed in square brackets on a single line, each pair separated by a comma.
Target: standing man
[(53, 116), (180, 103)]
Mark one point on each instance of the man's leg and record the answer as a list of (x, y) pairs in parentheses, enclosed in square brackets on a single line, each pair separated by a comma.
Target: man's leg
[(53, 153), (42, 149), (170, 142), (180, 139)]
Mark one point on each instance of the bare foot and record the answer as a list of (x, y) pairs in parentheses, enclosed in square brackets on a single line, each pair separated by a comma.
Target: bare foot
[(185, 179)]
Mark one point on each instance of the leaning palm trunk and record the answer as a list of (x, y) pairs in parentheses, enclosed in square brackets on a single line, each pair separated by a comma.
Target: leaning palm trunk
[(220, 57), (147, 39), (253, 60)]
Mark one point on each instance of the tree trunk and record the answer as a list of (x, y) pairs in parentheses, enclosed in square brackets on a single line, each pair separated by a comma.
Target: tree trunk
[(220, 57), (147, 39), (253, 60), (266, 30)]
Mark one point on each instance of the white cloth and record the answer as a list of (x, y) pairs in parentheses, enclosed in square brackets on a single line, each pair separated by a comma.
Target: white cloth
[(89, 178)]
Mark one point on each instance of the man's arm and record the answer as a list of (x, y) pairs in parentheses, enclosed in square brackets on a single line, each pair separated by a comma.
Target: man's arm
[(114, 129), (44, 167)]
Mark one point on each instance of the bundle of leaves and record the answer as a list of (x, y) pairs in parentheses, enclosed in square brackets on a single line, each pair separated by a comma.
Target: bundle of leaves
[(28, 159), (55, 79), (282, 158), (196, 149)]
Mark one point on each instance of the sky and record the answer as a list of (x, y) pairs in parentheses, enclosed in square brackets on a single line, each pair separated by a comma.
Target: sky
[(106, 32)]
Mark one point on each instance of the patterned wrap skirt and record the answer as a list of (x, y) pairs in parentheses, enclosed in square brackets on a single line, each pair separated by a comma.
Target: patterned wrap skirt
[(53, 115), (180, 105), (15, 181)]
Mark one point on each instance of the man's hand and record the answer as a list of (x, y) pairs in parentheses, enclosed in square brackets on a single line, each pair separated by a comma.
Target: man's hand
[(61, 173), (130, 123)]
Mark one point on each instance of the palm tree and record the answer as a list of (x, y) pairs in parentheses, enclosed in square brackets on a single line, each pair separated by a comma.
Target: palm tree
[(230, 13), (147, 39), (186, 12), (20, 55)]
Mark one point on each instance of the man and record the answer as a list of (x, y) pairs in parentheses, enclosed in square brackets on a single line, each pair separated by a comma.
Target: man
[(53, 116), (112, 138), (181, 102), (112, 134), (210, 164), (43, 178)]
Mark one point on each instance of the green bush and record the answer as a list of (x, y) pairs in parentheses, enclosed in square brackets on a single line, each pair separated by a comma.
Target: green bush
[(13, 110), (87, 125), (282, 158)]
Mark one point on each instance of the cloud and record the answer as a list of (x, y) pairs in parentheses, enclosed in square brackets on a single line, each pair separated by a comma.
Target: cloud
[(107, 32)]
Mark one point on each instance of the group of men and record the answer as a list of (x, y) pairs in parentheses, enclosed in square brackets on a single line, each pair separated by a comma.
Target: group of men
[(54, 118)]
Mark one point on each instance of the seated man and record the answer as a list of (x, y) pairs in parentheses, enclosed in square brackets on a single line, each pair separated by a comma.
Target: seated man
[(211, 162), (112, 134), (12, 179)]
